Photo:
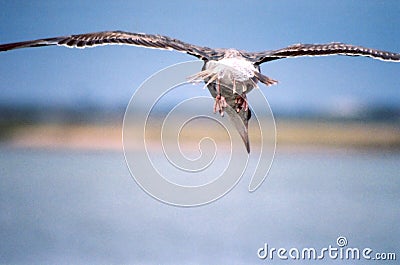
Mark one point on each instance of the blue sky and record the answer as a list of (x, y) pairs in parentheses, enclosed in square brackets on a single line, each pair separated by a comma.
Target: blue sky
[(107, 76)]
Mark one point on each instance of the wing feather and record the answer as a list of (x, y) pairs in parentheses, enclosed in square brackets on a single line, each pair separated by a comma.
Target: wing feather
[(121, 38), (334, 48)]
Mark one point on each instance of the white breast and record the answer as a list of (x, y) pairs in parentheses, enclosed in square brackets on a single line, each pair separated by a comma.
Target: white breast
[(237, 69), (234, 72)]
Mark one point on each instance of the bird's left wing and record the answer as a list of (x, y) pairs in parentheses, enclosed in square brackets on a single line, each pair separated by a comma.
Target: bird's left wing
[(334, 48), (119, 38)]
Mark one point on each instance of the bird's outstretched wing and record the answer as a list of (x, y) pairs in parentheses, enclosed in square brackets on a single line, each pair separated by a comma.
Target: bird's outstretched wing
[(121, 38), (334, 48)]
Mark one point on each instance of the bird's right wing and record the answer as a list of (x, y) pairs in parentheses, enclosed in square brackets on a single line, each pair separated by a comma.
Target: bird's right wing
[(120, 38), (334, 48)]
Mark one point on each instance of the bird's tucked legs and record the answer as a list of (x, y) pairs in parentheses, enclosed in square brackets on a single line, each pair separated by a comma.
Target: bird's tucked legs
[(241, 103), (220, 102)]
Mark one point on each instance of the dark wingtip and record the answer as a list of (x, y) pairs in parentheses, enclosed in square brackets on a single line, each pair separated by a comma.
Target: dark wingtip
[(7, 47), (27, 44)]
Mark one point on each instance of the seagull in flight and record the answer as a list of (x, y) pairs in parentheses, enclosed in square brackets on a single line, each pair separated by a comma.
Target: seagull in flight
[(229, 74)]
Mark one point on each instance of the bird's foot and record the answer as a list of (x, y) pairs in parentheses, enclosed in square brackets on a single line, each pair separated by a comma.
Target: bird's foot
[(220, 104), (241, 103)]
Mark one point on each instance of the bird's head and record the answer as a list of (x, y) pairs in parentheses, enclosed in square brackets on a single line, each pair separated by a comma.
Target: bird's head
[(232, 53)]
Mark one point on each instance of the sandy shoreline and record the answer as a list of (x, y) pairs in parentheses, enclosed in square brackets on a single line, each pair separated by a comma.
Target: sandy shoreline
[(299, 134)]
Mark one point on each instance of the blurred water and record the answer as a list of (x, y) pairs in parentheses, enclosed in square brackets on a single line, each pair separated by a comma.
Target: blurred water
[(63, 207)]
